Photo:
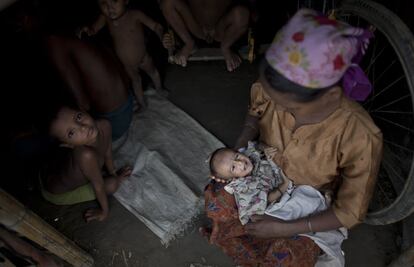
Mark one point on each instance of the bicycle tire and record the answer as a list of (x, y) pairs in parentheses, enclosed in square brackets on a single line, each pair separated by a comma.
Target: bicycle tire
[(402, 41)]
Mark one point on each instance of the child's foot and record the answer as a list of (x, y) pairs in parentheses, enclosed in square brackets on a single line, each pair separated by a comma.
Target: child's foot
[(182, 56), (205, 232), (124, 173), (233, 60), (140, 106), (163, 92)]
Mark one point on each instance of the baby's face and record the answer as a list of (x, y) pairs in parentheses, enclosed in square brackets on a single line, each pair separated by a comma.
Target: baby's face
[(113, 9), (231, 164)]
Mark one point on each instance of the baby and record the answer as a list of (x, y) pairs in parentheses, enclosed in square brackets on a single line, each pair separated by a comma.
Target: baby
[(252, 176), (126, 29)]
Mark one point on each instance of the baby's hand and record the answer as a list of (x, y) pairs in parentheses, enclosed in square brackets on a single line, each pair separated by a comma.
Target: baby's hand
[(270, 152)]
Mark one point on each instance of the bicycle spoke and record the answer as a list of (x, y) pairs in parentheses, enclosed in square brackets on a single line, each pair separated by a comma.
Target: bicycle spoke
[(393, 112), (390, 103), (394, 171), (384, 193), (394, 123), (397, 145), (382, 74), (372, 61), (385, 89)]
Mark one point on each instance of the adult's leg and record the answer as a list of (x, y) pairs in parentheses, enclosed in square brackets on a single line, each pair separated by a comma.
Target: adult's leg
[(229, 29), (245, 250), (179, 16)]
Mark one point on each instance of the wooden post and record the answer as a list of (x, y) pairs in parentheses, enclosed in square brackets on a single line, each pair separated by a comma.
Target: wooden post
[(16, 217)]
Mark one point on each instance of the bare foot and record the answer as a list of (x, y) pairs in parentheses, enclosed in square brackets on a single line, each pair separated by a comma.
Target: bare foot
[(233, 60), (141, 104), (163, 92), (181, 57), (124, 172), (205, 231)]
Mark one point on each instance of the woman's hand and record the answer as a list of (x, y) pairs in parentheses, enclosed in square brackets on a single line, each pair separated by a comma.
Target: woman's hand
[(264, 226)]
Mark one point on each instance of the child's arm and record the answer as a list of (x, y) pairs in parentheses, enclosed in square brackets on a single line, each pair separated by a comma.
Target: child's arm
[(109, 163), (89, 166), (150, 23), (94, 28)]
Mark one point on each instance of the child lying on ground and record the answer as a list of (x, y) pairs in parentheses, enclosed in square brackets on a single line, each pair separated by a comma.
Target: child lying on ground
[(78, 177), (126, 29)]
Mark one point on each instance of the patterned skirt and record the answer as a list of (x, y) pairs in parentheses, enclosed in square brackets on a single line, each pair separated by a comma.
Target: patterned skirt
[(230, 236)]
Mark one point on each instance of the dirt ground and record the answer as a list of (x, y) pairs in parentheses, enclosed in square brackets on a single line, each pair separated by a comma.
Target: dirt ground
[(217, 100)]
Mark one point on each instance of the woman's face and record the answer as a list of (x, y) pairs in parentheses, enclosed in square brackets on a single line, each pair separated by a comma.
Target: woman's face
[(231, 164), (283, 99), (74, 128)]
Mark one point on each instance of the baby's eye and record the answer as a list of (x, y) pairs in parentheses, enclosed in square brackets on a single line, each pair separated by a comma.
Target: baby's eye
[(232, 169), (79, 116), (71, 133)]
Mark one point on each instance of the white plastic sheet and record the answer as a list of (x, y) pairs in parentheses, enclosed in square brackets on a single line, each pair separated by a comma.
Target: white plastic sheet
[(167, 149)]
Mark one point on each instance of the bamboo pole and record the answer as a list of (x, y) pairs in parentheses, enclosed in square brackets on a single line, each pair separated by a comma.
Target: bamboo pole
[(16, 217)]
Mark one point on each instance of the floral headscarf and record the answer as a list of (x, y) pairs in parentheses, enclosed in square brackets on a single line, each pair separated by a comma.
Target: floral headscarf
[(315, 52)]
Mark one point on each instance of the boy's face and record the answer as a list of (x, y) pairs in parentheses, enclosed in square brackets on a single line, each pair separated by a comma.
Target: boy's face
[(113, 9), (74, 128), (231, 164)]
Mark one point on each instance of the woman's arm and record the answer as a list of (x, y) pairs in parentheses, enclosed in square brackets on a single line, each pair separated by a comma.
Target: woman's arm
[(270, 227), (250, 131)]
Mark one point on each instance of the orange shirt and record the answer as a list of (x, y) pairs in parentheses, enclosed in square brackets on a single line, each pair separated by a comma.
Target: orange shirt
[(345, 149)]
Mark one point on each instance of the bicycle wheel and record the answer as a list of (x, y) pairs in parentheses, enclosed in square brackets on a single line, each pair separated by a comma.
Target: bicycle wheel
[(389, 63)]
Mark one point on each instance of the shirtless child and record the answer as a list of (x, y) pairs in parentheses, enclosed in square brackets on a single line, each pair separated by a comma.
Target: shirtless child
[(224, 21), (126, 29), (94, 78), (78, 177)]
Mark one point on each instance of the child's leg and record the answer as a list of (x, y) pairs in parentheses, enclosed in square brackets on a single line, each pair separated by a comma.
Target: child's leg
[(230, 28), (112, 183), (147, 65), (133, 73), (179, 16)]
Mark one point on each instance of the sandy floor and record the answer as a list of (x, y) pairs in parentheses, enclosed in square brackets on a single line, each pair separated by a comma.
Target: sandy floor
[(218, 100)]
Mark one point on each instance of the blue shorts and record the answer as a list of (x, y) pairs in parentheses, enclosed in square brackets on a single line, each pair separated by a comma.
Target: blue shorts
[(120, 118)]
